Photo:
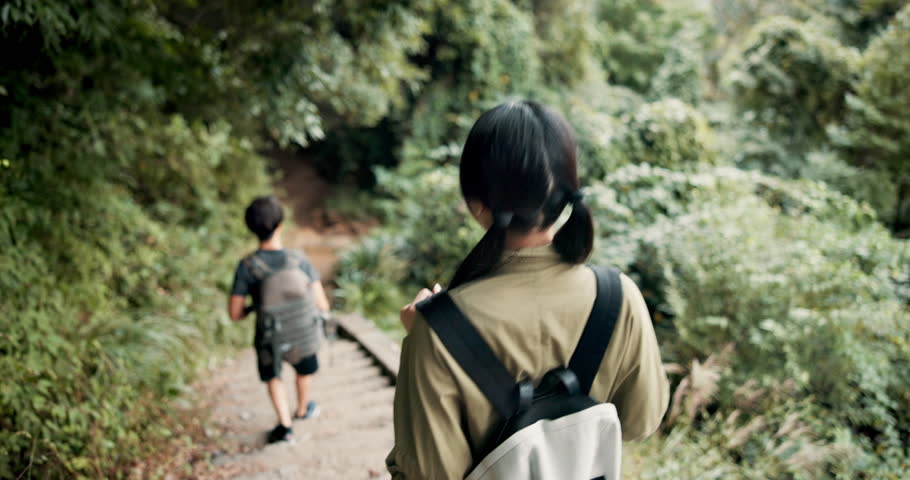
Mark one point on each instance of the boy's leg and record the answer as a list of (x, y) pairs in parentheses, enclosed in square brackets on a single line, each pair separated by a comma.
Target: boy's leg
[(303, 391), (305, 370), (280, 401), (270, 372)]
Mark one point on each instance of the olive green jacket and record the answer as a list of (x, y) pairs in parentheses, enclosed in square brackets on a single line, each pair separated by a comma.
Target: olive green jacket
[(531, 311)]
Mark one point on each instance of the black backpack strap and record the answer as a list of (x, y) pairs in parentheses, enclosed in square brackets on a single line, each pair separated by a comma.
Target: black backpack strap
[(257, 266), (596, 336), (470, 350)]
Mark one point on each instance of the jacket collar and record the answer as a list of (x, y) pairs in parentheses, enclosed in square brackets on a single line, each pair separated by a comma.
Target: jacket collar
[(528, 259)]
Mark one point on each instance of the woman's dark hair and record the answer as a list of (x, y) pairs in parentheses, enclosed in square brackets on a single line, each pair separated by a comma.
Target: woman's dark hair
[(520, 162), (263, 216)]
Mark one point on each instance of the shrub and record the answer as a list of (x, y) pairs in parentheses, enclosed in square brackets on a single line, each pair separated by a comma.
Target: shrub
[(791, 77), (858, 21), (801, 300), (873, 186), (876, 133), (667, 133), (429, 213), (372, 280), (117, 277), (807, 287), (595, 110), (567, 38), (638, 37), (681, 73)]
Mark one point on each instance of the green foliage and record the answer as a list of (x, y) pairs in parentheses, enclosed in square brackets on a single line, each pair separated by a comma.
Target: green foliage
[(480, 53), (615, 127), (119, 226), (667, 133), (858, 20), (440, 119), (371, 280), (876, 130), (298, 71), (791, 77), (347, 156), (428, 233), (567, 41), (800, 280), (681, 74), (596, 111), (797, 297), (875, 187), (652, 41), (115, 286)]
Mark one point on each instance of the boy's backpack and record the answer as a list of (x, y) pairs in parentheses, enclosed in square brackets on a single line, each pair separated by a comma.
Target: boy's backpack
[(553, 430), (287, 316)]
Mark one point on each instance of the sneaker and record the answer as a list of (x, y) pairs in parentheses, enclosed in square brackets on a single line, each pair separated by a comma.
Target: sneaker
[(312, 411), (280, 434)]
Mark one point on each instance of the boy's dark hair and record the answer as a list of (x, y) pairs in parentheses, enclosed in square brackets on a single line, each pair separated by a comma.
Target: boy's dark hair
[(263, 216)]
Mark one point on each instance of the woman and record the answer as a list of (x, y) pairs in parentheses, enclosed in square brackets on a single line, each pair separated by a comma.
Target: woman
[(525, 288)]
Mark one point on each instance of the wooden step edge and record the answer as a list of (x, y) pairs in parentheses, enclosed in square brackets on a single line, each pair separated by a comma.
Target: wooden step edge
[(381, 349)]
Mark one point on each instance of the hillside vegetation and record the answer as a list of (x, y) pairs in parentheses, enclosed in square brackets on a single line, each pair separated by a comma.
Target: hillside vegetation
[(748, 164)]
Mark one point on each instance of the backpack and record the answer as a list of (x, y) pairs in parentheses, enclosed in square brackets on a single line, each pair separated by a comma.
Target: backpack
[(552, 430), (286, 317)]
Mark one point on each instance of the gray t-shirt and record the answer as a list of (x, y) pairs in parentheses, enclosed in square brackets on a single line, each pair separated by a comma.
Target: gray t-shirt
[(247, 284)]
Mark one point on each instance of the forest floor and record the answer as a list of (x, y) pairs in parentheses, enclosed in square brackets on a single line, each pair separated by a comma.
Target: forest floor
[(352, 436)]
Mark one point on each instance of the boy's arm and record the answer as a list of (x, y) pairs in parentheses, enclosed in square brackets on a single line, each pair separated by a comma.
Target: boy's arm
[(239, 290), (322, 301), (236, 309)]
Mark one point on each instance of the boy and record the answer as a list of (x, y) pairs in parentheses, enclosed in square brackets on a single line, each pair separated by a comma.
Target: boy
[(263, 218)]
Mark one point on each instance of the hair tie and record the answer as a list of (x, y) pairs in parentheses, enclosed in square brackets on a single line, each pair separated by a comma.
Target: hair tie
[(502, 219), (576, 197)]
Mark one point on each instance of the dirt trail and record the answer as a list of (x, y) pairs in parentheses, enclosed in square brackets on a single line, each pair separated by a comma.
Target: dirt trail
[(317, 231), (354, 433)]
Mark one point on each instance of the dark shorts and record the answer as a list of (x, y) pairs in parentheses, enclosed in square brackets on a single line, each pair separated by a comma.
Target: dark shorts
[(270, 367)]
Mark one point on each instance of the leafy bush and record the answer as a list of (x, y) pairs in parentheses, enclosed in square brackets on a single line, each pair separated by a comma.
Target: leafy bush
[(637, 42), (858, 21), (800, 300), (668, 133), (875, 187), (371, 280), (567, 41), (803, 282), (116, 281), (481, 53), (791, 77), (440, 119), (119, 223), (594, 110), (681, 74), (876, 133)]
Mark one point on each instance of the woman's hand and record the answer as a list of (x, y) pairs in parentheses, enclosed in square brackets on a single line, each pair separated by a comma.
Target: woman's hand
[(409, 311)]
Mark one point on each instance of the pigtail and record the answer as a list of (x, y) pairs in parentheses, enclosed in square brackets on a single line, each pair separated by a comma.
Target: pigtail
[(485, 256), (575, 240)]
